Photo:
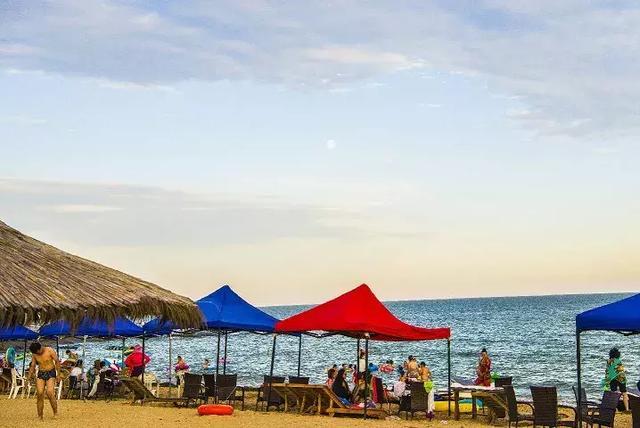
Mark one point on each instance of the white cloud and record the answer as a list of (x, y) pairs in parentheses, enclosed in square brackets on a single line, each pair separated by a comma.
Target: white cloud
[(23, 120), (80, 208), (100, 214), (331, 144), (573, 63)]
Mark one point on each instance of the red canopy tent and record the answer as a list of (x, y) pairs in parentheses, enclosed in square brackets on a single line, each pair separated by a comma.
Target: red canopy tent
[(359, 314)]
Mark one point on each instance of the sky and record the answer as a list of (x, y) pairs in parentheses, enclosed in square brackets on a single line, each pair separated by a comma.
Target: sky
[(295, 150)]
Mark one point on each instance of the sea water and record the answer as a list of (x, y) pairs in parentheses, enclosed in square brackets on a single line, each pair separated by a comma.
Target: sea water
[(531, 339)]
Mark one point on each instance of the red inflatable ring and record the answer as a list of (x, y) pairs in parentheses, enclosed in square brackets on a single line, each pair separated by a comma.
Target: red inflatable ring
[(215, 409)]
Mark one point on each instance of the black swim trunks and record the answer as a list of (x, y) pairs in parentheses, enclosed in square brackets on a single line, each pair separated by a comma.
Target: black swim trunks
[(617, 385), (46, 375)]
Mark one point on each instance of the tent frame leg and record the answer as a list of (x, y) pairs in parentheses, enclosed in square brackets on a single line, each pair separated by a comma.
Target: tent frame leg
[(273, 360), (365, 375), (449, 376), (579, 373)]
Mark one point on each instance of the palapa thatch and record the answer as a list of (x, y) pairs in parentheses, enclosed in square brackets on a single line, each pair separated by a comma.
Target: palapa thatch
[(40, 283)]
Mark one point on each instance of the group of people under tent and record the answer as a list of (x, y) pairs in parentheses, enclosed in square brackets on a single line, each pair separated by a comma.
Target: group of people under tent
[(347, 381), (349, 384)]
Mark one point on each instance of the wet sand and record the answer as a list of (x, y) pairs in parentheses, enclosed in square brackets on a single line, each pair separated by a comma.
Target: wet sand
[(122, 413)]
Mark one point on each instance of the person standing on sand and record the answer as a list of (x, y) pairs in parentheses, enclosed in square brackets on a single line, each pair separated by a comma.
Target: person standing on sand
[(615, 376), (48, 375), (484, 369), (136, 361)]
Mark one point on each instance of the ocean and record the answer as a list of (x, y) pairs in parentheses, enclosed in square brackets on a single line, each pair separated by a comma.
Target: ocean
[(531, 339)]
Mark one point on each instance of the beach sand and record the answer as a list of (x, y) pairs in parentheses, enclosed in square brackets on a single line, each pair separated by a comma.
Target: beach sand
[(121, 413)]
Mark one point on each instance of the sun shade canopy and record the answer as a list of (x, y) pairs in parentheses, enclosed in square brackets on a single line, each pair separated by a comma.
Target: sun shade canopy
[(17, 332), (40, 284), (355, 314), (622, 316), (223, 310), (122, 327)]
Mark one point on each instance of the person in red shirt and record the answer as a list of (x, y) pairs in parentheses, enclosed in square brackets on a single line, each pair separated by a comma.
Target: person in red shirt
[(136, 361)]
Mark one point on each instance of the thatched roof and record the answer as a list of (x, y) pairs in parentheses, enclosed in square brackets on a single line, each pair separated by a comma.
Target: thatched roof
[(40, 283)]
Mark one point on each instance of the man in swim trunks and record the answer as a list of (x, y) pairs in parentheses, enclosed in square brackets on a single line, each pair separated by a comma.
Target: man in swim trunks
[(48, 375)]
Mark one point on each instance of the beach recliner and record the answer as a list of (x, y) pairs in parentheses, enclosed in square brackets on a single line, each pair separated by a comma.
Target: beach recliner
[(141, 393)]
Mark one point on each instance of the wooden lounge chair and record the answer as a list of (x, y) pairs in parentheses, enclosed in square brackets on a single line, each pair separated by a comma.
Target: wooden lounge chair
[(267, 396), (321, 399), (191, 391), (634, 406), (605, 414), (227, 389), (545, 405), (512, 403)]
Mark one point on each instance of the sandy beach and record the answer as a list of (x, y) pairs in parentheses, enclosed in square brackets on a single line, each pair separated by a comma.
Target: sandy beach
[(119, 413)]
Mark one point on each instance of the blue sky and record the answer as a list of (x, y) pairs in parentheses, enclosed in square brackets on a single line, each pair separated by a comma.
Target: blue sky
[(432, 149)]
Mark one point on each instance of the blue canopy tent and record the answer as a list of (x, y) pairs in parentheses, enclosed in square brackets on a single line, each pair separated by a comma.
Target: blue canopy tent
[(622, 317), (225, 311), (18, 332), (121, 327)]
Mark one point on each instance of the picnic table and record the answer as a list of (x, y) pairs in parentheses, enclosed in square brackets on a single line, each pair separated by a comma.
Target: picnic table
[(494, 396)]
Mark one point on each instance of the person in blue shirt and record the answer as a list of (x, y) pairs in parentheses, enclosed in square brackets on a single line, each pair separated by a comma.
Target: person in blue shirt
[(10, 357)]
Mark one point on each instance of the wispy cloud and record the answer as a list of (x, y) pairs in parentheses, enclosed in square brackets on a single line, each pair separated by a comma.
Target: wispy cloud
[(135, 215), (80, 208), (23, 120), (574, 64)]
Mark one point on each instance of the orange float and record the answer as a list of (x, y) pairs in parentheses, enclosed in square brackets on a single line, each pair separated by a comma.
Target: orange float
[(215, 409)]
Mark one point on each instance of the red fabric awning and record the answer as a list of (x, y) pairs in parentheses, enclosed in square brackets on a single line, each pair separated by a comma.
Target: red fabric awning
[(356, 313)]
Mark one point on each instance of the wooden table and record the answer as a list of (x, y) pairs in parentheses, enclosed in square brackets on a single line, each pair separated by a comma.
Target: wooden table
[(494, 394)]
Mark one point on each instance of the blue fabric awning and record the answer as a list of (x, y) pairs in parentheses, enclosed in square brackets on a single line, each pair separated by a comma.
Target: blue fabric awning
[(17, 332), (122, 327), (224, 310), (622, 316)]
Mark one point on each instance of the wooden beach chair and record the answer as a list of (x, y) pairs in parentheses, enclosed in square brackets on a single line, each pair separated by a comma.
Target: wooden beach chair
[(337, 407), (141, 393), (288, 396)]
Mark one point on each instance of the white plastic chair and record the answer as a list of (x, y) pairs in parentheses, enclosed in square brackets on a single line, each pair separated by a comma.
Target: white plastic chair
[(18, 384), (151, 383)]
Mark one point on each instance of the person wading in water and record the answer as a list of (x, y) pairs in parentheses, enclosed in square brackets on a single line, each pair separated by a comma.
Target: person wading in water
[(48, 375)]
